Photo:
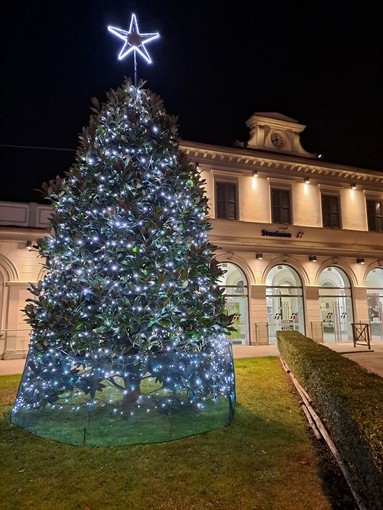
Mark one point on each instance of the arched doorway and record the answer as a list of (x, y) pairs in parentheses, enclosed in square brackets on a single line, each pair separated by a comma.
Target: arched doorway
[(284, 301), (2, 332), (335, 305), (234, 283), (374, 290)]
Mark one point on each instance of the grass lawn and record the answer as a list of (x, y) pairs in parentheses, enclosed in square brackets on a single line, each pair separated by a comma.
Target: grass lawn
[(264, 460)]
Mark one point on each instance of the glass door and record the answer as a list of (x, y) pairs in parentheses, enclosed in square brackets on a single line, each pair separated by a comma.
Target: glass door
[(335, 305), (374, 290), (234, 283), (284, 301)]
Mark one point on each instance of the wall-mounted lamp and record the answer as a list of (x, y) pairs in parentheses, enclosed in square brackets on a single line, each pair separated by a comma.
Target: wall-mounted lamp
[(29, 245), (259, 256), (360, 260), (312, 258), (306, 180), (255, 173), (353, 186)]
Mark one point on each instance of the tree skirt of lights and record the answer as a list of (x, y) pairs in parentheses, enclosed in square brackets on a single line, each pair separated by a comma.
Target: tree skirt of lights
[(105, 399)]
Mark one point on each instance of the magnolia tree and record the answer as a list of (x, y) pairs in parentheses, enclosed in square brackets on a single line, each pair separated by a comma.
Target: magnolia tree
[(130, 272)]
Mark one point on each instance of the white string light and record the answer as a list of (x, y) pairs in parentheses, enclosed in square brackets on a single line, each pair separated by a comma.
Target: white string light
[(128, 270), (134, 41)]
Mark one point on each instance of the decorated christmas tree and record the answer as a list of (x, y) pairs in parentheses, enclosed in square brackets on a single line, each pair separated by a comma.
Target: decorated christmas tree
[(129, 320)]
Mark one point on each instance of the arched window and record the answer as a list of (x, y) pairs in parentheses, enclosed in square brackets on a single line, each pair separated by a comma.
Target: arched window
[(374, 290), (234, 283), (284, 301), (335, 305)]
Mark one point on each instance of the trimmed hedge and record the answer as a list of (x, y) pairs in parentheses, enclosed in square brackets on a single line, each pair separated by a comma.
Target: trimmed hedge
[(349, 400)]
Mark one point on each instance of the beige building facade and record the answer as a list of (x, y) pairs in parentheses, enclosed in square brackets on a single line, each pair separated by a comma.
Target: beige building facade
[(21, 224), (301, 240)]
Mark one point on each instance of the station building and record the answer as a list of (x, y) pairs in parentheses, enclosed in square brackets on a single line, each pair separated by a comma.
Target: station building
[(300, 239)]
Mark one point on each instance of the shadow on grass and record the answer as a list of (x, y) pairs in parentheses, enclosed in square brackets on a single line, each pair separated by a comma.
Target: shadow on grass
[(333, 482)]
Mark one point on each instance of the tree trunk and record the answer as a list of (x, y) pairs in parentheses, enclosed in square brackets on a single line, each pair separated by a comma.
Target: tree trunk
[(132, 390)]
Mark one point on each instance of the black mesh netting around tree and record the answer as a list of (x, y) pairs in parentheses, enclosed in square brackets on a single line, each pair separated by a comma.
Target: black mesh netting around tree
[(128, 325)]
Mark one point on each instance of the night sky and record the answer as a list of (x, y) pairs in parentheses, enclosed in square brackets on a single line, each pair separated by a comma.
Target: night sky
[(216, 63)]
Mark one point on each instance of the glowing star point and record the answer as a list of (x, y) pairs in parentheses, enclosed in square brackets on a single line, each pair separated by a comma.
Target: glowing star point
[(133, 40)]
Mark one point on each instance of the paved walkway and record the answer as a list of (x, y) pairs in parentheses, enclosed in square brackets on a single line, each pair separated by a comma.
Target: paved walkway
[(372, 359)]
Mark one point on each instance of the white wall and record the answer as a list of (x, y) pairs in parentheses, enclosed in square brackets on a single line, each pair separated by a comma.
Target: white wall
[(18, 267)]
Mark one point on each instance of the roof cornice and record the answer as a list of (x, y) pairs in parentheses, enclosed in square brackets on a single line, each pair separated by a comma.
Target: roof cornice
[(250, 159)]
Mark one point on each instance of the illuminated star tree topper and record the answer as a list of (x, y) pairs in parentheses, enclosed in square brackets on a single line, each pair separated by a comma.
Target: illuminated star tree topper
[(134, 42)]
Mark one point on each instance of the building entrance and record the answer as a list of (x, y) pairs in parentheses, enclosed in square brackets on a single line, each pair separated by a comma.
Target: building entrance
[(2, 332), (335, 305), (234, 283), (374, 289), (284, 301)]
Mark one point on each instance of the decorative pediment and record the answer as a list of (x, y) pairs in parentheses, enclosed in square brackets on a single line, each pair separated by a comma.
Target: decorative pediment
[(275, 132)]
